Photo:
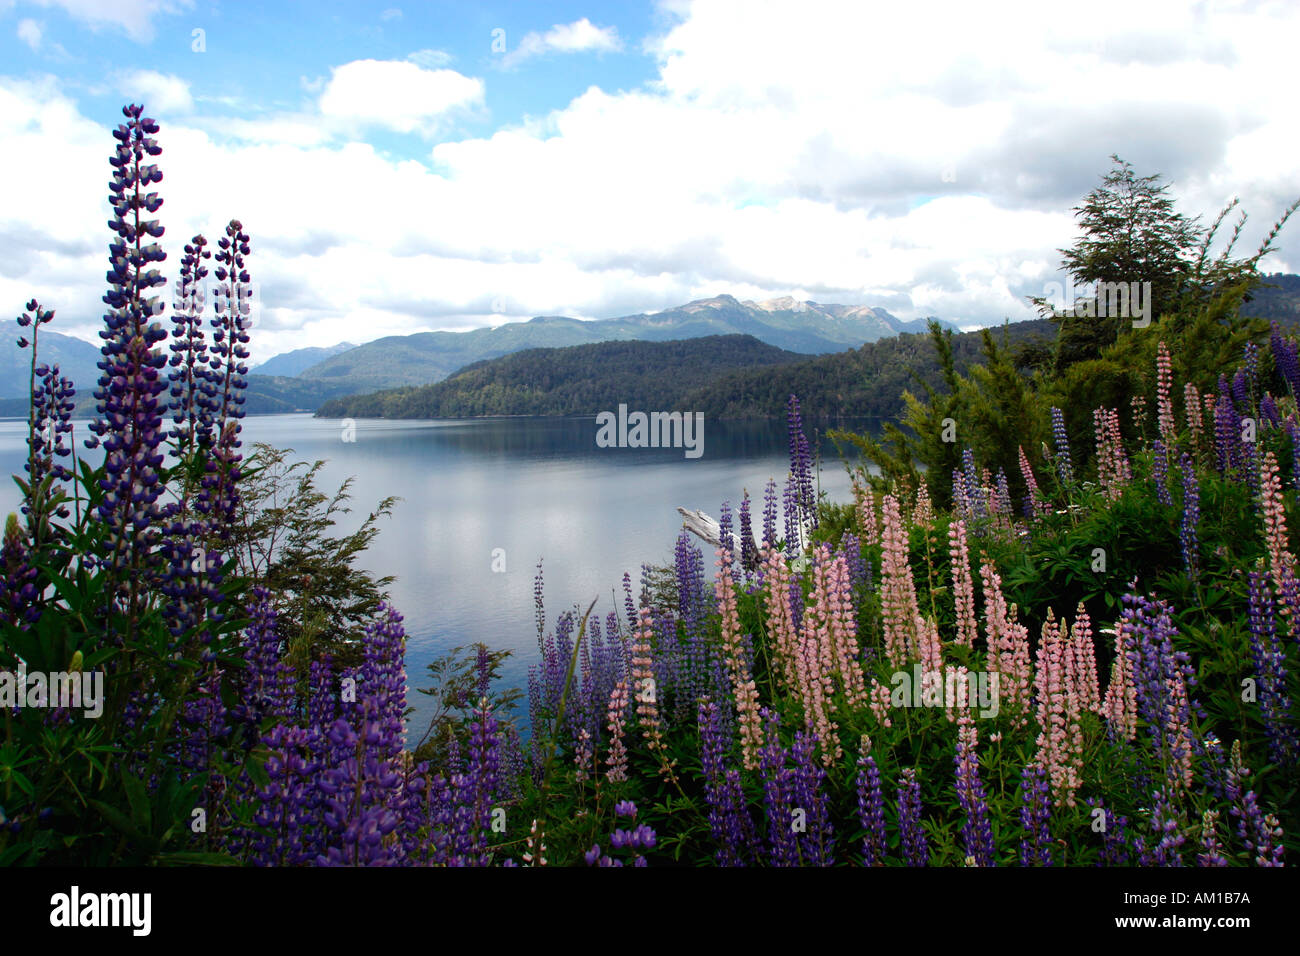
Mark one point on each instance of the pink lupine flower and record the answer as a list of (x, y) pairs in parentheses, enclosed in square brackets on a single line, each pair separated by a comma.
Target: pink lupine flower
[(647, 700), (1164, 386), (1113, 470), (1060, 738), (1008, 643), (931, 648), (880, 702), (963, 586), (1281, 562), (1192, 409), (780, 621), (742, 683), (1120, 706), (832, 607), (1084, 653), (923, 514), (1038, 504), (616, 715), (898, 591), (867, 517)]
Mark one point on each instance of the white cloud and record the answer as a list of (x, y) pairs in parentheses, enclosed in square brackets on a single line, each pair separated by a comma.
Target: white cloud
[(159, 92), (430, 59), (399, 96), (774, 154), (134, 17), (392, 13), (577, 37), (29, 31)]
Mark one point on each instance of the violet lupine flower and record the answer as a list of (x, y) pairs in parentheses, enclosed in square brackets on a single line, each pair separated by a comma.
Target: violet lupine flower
[(1270, 671), (53, 403), (268, 680), (1064, 467), (852, 551), (692, 609), (285, 819), (1114, 834), (778, 792), (1160, 471), (871, 811), (129, 414), (1163, 680), (539, 609), (732, 829), (18, 593), (190, 399), (769, 513), (1035, 816), (817, 838), (916, 851), (726, 536), (976, 831), (225, 380), (748, 548), (1268, 414), (1286, 358), (801, 466), (1191, 516), (974, 490), (1003, 497), (792, 512), (1227, 431), (1164, 824)]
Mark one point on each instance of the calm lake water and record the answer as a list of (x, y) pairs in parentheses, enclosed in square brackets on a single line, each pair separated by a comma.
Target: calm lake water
[(536, 488)]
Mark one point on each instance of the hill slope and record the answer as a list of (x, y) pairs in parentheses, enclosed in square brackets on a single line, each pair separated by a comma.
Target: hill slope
[(733, 377), (426, 357)]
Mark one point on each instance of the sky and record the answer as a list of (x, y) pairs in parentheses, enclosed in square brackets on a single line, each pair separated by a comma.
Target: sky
[(427, 166)]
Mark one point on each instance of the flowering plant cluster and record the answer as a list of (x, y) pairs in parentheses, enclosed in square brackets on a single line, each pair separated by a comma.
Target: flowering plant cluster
[(1133, 605)]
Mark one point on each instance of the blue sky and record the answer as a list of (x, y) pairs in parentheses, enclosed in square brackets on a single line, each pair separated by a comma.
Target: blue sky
[(405, 167)]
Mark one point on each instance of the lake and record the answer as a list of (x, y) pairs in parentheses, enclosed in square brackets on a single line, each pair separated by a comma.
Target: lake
[(537, 488)]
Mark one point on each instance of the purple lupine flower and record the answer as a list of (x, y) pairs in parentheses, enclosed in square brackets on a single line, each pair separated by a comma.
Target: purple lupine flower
[(1227, 430), (916, 851), (729, 819), (692, 609), (539, 608), (977, 833), (1114, 834), (1164, 825), (190, 398), (1270, 672), (1293, 432), (1064, 467), (18, 592), (1268, 414), (801, 466), (1286, 358), (267, 690), (852, 551), (1191, 516), (871, 811), (1035, 817), (748, 549), (1160, 471), (769, 513), (129, 414), (52, 407), (817, 837), (1003, 496), (725, 534), (778, 791), (975, 493), (792, 511), (1163, 680)]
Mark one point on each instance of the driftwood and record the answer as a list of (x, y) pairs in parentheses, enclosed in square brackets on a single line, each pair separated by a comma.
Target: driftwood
[(707, 529)]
